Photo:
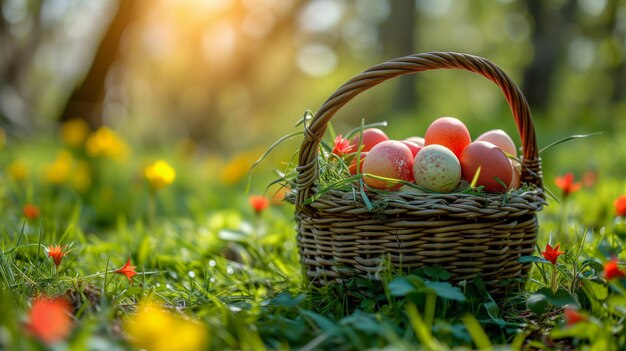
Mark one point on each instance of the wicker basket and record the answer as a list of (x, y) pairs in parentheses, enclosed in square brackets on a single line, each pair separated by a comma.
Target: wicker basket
[(468, 235)]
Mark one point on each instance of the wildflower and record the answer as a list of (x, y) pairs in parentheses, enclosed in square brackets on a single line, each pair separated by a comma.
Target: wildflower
[(572, 316), (104, 142), (49, 320), (74, 132), (566, 184), (59, 171), (259, 203), (82, 177), (590, 178), (342, 146), (552, 254), (620, 206), (56, 253), (279, 196), (159, 174), (237, 168), (153, 328), (127, 270), (30, 211), (18, 171), (611, 270)]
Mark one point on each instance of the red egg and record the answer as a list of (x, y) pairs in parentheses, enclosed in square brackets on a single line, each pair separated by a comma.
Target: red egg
[(352, 167), (499, 138), (415, 148), (371, 137), (389, 159), (493, 163), (448, 132)]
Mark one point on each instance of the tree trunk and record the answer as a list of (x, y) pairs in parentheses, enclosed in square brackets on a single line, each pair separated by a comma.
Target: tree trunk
[(550, 37), (399, 40), (86, 101)]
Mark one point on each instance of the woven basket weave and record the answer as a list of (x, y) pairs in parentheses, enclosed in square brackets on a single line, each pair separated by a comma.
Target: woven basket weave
[(469, 235)]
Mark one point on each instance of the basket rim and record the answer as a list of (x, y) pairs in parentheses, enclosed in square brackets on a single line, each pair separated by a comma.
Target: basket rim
[(308, 168)]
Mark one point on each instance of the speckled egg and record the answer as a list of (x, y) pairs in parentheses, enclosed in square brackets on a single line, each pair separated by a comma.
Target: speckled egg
[(436, 168), (389, 159)]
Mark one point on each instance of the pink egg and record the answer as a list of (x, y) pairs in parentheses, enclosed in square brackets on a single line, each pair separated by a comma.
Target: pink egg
[(499, 138), (416, 139), (371, 137), (415, 148), (389, 159)]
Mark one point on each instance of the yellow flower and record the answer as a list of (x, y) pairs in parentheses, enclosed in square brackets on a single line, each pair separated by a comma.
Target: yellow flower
[(74, 132), (18, 171), (106, 143), (160, 174), (154, 329), (82, 177), (237, 168), (59, 171)]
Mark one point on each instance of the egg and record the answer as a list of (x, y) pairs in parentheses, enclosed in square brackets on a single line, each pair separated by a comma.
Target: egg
[(415, 148), (389, 159), (371, 137), (517, 174), (436, 168), (416, 139), (501, 139), (493, 163), (449, 132), (352, 168)]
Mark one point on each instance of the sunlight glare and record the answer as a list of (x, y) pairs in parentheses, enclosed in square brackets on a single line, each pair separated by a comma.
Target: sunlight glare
[(219, 42), (321, 15), (317, 59)]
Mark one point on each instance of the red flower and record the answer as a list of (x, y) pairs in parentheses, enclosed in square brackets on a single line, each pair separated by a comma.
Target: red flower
[(30, 211), (127, 270), (590, 178), (620, 206), (611, 270), (572, 316), (259, 203), (49, 319), (342, 146), (552, 254), (56, 253), (567, 184)]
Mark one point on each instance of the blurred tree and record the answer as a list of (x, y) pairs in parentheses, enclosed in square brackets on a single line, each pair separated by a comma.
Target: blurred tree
[(551, 35), (17, 54), (616, 35), (87, 99), (398, 38)]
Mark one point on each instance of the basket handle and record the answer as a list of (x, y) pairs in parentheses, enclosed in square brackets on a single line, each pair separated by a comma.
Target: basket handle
[(307, 162)]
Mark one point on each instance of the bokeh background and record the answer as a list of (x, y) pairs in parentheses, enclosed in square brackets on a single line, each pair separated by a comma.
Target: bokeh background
[(228, 77)]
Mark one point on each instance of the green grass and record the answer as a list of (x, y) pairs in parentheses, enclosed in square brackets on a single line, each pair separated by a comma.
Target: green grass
[(207, 256)]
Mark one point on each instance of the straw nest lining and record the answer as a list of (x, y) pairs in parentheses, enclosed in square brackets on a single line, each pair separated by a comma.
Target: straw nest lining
[(468, 234)]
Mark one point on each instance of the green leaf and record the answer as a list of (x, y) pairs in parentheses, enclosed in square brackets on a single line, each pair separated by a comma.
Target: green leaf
[(401, 286), (593, 264), (363, 322), (537, 303), (446, 290), (559, 298), (322, 322), (492, 309), (577, 136), (533, 259)]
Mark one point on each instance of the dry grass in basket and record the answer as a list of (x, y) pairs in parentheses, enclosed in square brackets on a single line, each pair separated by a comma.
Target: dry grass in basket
[(334, 174)]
